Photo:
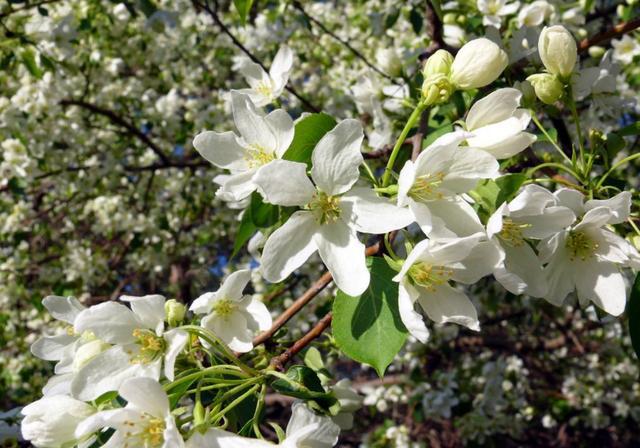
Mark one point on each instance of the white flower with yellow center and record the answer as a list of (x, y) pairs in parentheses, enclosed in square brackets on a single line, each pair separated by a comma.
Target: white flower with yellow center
[(532, 215), (231, 315), (426, 276), (263, 139), (145, 422), (625, 49), (534, 13), (431, 186), (333, 211), (305, 430), (494, 10), (267, 87), (587, 257), (140, 346), (498, 125)]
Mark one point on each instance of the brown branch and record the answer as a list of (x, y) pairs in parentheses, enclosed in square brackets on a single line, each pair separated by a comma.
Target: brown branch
[(25, 8), (279, 361), (117, 119), (617, 30), (214, 15), (305, 298), (435, 31), (326, 30)]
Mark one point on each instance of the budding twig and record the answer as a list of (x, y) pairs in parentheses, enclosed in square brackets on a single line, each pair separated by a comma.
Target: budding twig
[(279, 361), (617, 30)]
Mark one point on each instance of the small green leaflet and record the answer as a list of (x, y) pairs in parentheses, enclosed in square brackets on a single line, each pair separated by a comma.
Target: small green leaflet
[(634, 316), (256, 216), (308, 133), (243, 7), (490, 194), (368, 328)]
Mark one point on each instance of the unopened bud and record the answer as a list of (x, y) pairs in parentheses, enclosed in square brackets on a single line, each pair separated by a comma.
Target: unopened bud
[(174, 312), (547, 87), (436, 89), (596, 51), (558, 50), (439, 63), (477, 64)]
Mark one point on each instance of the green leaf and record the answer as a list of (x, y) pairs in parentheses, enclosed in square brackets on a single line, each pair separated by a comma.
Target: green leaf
[(176, 393), (439, 132), (490, 194), (633, 311), (245, 232), (308, 133), (302, 382), (368, 328), (262, 214), (243, 7), (415, 17), (28, 58), (632, 129), (614, 144)]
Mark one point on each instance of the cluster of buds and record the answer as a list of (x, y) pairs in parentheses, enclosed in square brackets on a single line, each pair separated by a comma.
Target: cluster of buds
[(558, 52), (477, 64)]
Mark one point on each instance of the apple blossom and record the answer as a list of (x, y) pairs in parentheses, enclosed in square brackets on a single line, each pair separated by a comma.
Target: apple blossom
[(334, 210), (232, 316), (262, 140), (558, 51), (493, 11), (477, 64), (267, 87)]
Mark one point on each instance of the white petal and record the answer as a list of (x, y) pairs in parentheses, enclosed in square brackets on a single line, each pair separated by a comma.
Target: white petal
[(202, 305), (595, 218), (469, 166), (52, 348), (107, 371), (558, 271), (343, 254), (217, 438), (447, 304), (448, 218), (281, 67), (221, 149), (251, 124), (611, 247), (480, 262), (260, 314), (146, 395), (489, 135), (289, 247), (337, 158), (283, 182), (236, 187), (373, 214), (406, 179), (232, 329), (176, 340), (570, 198), (552, 220), (234, 284), (521, 272), (509, 147), (532, 200), (497, 106), (64, 309), (602, 283), (114, 418), (283, 129), (148, 309), (494, 224), (412, 320), (109, 321), (325, 434), (171, 434), (620, 206), (58, 385)]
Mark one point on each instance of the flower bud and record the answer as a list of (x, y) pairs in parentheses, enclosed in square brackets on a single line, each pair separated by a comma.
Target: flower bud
[(558, 50), (477, 64), (174, 311), (439, 63), (547, 87), (596, 51), (436, 89)]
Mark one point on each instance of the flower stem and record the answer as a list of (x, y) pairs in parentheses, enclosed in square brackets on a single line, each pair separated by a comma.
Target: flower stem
[(615, 167), (413, 119), (546, 134)]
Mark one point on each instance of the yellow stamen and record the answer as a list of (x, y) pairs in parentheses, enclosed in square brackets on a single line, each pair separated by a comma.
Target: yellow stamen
[(429, 276), (257, 156), (580, 245), (511, 233), (224, 308), (425, 188), (151, 346), (325, 208)]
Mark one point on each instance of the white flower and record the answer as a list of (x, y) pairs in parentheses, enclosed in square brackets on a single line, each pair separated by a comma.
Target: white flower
[(431, 186), (498, 125), (558, 50), (587, 257), (625, 49), (493, 11), (425, 277), (600, 80), (267, 87), (305, 430), (534, 13), (145, 421), (333, 211), (477, 64), (350, 401), (140, 345), (262, 140), (232, 316), (533, 214), (52, 421)]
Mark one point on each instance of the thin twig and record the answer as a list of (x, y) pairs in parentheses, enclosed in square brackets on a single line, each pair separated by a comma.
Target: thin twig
[(25, 8), (301, 343), (117, 119), (326, 30), (617, 30)]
